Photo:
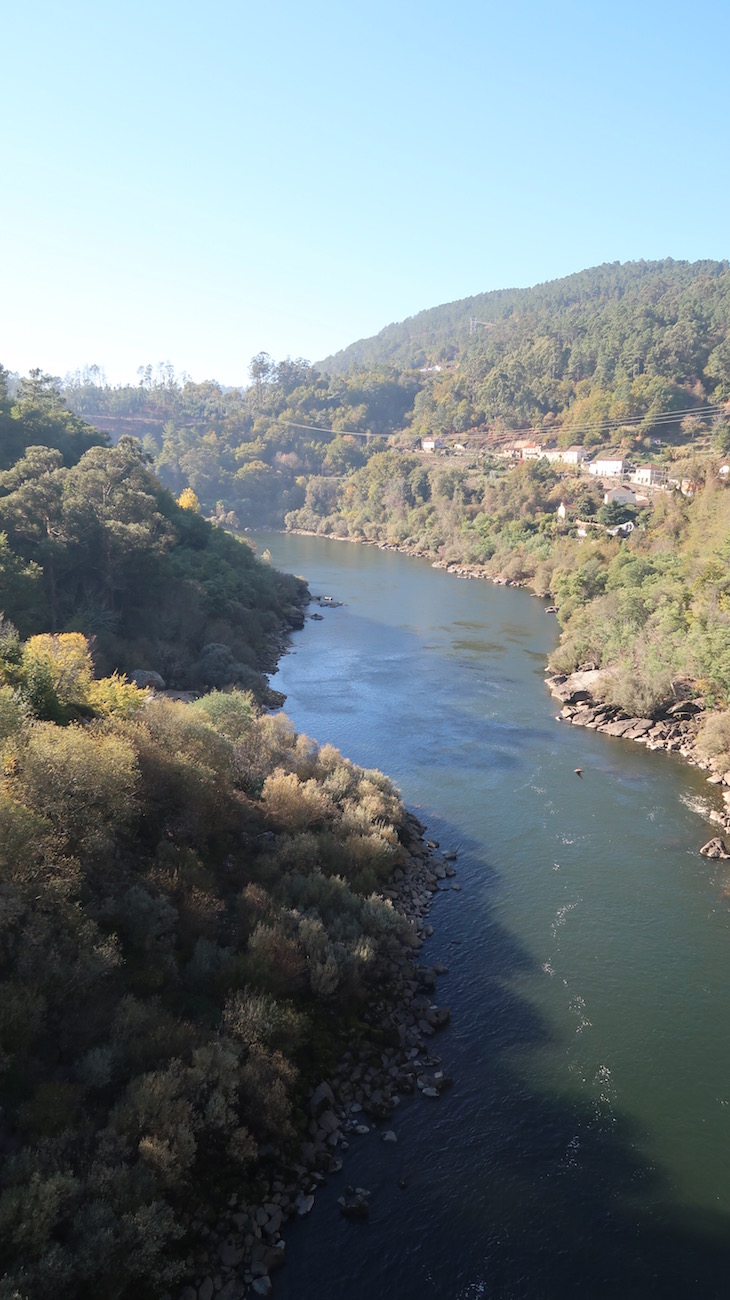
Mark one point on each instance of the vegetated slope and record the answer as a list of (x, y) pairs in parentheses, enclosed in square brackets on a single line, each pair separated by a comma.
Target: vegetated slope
[(651, 296), (90, 541), (187, 919), (652, 607), (581, 359)]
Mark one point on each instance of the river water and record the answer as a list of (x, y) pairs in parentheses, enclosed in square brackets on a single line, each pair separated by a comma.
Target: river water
[(584, 1150)]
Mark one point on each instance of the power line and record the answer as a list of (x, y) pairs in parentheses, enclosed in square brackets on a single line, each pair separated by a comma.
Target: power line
[(345, 433), (631, 421)]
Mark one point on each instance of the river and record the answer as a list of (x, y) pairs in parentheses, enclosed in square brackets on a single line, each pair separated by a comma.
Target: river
[(584, 1150)]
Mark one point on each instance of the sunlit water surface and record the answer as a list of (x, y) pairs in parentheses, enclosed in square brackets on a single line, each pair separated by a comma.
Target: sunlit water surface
[(584, 1150)]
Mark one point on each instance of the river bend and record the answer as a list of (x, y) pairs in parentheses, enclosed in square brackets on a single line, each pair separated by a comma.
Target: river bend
[(584, 1150)]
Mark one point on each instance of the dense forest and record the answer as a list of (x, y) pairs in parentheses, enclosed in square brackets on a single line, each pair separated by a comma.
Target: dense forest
[(614, 356), (192, 918), (91, 542)]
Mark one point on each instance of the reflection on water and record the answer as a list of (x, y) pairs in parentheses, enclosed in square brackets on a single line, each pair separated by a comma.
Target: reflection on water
[(583, 1148)]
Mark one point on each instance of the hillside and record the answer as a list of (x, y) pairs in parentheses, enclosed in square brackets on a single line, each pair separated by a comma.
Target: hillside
[(91, 542), (636, 302), (580, 359)]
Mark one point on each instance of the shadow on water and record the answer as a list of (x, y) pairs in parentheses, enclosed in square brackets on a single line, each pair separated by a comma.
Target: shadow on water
[(547, 1197), (520, 1185)]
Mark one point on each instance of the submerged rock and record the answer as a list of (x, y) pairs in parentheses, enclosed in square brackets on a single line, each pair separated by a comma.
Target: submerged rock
[(355, 1204)]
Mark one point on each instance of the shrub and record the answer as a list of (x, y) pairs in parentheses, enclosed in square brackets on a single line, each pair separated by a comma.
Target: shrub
[(81, 778), (115, 697), (295, 804), (12, 712), (67, 659), (231, 713), (713, 740)]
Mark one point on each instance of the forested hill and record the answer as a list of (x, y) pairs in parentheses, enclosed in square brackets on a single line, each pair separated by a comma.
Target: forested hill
[(616, 314), (90, 542), (585, 355)]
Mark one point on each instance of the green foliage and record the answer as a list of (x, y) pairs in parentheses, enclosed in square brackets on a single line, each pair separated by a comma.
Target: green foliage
[(230, 712), (713, 740), (165, 945), (100, 548)]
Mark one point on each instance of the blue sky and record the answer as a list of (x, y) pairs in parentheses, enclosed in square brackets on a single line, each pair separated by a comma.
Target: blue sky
[(200, 182)]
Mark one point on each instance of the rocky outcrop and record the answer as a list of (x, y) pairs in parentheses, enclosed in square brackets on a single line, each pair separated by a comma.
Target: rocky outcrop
[(674, 730)]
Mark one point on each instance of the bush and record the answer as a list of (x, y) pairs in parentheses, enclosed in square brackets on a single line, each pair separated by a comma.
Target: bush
[(295, 805), (230, 712), (713, 740), (82, 779)]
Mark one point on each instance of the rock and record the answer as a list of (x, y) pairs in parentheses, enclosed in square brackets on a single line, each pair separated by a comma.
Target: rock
[(639, 727), (684, 709), (233, 1290), (322, 1098), (388, 1136), (147, 679), (274, 1223), (329, 1121), (304, 1203), (262, 1286), (270, 1258), (355, 1204), (229, 1253), (205, 1290), (715, 848)]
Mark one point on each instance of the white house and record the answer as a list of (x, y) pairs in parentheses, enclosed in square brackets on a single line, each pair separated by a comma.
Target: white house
[(623, 495), (573, 455), (431, 444), (649, 475), (564, 509), (533, 451), (609, 468)]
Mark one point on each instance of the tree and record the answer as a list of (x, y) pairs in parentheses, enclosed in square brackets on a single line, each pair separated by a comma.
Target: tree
[(187, 500), (615, 512), (261, 370)]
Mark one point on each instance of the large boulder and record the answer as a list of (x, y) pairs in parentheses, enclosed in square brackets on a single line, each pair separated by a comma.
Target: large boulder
[(147, 679)]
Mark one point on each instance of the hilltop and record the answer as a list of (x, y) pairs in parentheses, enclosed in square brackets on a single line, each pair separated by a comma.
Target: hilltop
[(641, 298)]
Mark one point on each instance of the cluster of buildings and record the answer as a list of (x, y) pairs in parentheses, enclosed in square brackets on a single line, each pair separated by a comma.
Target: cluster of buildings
[(616, 469)]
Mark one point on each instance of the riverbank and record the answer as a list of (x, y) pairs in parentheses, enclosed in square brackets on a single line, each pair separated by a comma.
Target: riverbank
[(673, 730), (389, 1057)]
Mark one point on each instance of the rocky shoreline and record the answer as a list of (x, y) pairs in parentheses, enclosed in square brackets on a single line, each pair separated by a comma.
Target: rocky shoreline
[(674, 731), (235, 1257)]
